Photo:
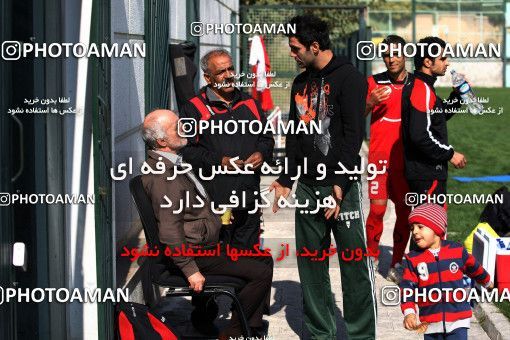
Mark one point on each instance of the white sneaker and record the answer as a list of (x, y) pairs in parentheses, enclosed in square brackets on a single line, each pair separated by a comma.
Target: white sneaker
[(375, 263)]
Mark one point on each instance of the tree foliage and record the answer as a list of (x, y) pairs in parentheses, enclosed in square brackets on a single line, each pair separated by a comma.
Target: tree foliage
[(341, 22)]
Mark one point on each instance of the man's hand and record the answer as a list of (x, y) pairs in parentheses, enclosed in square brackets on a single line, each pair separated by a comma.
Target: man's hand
[(337, 195), (256, 159), (490, 286), (458, 160), (410, 322), (377, 96), (225, 161), (279, 191), (196, 282)]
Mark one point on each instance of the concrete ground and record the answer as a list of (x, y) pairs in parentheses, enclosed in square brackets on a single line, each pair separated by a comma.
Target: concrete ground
[(286, 319)]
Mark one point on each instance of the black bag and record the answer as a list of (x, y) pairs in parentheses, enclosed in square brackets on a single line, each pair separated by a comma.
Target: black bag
[(497, 215), (137, 322)]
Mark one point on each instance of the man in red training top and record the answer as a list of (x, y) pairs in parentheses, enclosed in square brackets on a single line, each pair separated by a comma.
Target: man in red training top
[(384, 101)]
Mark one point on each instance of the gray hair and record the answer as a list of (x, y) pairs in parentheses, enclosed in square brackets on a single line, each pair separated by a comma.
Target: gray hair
[(204, 61), (151, 134)]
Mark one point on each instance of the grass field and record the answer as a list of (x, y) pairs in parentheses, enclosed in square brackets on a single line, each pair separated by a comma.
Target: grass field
[(485, 141)]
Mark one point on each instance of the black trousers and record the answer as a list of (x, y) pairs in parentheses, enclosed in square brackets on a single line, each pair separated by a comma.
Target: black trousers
[(429, 187), (244, 232), (253, 296)]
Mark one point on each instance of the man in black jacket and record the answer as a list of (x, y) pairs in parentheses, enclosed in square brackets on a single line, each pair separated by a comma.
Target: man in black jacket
[(331, 92), (219, 103), (424, 131)]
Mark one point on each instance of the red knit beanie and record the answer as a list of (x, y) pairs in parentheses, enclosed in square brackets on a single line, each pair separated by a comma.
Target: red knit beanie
[(430, 215)]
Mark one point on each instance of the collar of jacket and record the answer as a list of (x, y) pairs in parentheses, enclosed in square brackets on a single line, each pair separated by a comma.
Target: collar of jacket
[(430, 80), (397, 82), (331, 65), (154, 158), (214, 100), (426, 252)]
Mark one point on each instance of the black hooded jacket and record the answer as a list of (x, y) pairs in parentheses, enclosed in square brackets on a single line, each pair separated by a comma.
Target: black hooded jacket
[(424, 131), (335, 96)]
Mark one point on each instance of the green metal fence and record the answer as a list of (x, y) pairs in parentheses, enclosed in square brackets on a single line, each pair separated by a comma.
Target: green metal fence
[(463, 21), (347, 26), (157, 63), (100, 72)]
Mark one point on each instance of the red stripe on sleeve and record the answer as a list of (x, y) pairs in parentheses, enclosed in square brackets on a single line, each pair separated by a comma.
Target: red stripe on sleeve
[(419, 96), (125, 328)]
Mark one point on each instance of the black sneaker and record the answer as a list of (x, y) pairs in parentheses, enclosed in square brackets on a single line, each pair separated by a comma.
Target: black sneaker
[(260, 332)]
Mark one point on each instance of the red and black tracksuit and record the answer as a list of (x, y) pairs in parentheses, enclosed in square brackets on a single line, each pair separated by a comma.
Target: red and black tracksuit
[(386, 150), (425, 135), (424, 270), (207, 149)]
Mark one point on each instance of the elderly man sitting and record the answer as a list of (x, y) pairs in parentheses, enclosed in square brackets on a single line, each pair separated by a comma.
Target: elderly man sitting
[(196, 226)]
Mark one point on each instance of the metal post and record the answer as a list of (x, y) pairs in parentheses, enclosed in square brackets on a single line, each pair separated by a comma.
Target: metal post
[(56, 247), (7, 310), (413, 14), (506, 26), (233, 43), (192, 15)]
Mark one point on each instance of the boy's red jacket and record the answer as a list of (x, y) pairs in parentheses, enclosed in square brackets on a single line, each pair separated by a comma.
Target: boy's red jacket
[(424, 271)]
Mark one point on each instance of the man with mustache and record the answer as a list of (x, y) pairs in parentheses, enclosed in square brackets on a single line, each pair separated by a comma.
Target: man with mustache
[(221, 103)]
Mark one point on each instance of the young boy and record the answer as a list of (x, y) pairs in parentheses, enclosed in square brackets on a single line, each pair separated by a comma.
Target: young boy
[(438, 264)]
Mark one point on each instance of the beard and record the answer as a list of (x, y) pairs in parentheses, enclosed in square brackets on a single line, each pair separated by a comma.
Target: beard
[(174, 145)]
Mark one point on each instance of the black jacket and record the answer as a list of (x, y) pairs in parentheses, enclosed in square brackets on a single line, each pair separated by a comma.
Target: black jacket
[(208, 149), (335, 96), (424, 131)]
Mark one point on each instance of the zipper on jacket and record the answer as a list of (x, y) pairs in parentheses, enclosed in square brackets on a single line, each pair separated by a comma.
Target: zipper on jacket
[(230, 111), (441, 290), (317, 108)]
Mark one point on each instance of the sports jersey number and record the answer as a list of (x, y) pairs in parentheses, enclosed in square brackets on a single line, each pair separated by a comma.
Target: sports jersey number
[(374, 187), (423, 271)]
